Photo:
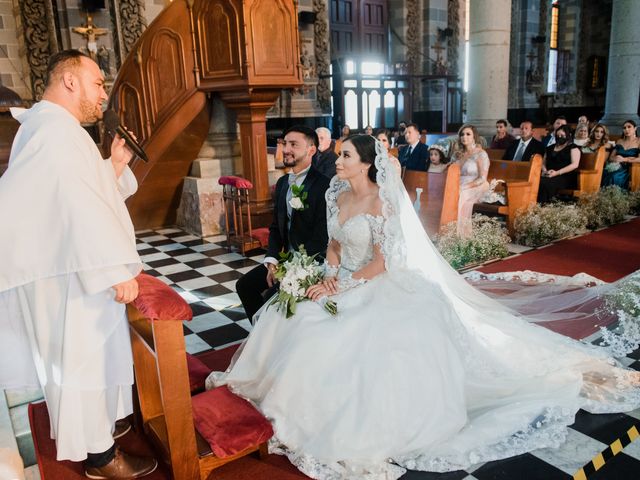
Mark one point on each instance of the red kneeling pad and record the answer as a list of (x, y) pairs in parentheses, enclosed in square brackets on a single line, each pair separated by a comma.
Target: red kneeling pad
[(228, 423), (158, 301)]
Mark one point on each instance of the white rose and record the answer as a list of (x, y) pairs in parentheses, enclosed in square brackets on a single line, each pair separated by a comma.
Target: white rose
[(296, 203)]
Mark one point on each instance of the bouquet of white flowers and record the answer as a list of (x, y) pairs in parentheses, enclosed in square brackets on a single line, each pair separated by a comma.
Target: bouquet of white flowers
[(296, 272)]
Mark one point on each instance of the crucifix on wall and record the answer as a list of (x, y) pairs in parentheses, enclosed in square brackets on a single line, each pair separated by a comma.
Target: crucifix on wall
[(90, 32)]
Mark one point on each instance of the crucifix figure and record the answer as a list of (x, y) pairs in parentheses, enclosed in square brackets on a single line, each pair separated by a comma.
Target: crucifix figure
[(91, 32), (439, 67)]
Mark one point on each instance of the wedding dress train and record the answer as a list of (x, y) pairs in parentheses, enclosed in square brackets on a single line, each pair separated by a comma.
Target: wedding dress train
[(418, 369)]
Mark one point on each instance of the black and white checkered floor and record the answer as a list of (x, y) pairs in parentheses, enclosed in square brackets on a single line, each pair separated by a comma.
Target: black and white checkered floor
[(204, 273)]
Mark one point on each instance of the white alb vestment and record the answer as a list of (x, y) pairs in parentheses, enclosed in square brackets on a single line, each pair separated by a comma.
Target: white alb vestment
[(67, 239)]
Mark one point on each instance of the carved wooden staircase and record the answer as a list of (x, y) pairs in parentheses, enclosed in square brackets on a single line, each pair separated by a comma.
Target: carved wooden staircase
[(244, 50)]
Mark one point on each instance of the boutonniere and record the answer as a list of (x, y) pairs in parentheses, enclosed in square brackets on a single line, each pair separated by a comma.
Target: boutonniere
[(298, 197)]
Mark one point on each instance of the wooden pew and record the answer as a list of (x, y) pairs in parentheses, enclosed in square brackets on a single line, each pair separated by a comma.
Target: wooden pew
[(589, 173), (439, 197), (337, 147), (163, 385), (495, 153), (521, 187), (634, 181), (393, 151)]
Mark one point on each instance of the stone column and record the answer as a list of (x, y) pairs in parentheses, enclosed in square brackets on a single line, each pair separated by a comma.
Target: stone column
[(623, 75), (201, 211), (489, 40)]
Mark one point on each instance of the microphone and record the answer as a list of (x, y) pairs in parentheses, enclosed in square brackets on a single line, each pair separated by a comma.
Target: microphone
[(113, 126)]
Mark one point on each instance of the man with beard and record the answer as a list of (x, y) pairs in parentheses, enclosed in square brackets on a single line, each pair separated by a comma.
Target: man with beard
[(296, 222), (69, 263)]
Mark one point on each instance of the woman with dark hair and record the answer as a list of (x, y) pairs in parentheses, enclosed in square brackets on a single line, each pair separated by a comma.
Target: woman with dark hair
[(418, 369), (626, 151), (559, 165)]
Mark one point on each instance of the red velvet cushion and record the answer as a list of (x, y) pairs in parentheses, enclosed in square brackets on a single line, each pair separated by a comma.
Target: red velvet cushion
[(262, 235), (237, 182), (228, 423), (198, 373), (158, 301)]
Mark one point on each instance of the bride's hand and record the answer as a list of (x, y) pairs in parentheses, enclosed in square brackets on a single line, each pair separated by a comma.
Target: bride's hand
[(331, 284), (317, 291)]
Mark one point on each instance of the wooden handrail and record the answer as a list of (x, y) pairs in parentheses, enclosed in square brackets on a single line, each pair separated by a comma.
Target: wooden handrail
[(191, 48)]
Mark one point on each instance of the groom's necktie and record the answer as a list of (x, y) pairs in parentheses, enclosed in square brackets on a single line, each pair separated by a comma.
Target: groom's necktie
[(519, 152)]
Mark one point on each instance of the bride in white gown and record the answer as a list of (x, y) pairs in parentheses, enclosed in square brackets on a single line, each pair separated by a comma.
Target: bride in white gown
[(418, 369)]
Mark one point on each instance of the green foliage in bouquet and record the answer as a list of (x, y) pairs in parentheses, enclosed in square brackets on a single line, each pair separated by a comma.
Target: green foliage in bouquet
[(541, 224), (489, 240), (296, 272), (607, 206)]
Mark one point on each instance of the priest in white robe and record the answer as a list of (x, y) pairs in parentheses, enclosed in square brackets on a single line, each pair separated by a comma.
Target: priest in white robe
[(69, 261)]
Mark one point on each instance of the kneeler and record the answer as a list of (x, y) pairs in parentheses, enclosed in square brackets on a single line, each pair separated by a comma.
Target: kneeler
[(193, 435)]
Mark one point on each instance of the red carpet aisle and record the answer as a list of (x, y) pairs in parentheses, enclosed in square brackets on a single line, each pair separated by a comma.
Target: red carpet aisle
[(609, 254)]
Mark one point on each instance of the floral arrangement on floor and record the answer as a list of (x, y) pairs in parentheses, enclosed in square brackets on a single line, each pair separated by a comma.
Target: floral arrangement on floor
[(296, 272), (541, 224), (488, 241), (607, 206), (634, 203)]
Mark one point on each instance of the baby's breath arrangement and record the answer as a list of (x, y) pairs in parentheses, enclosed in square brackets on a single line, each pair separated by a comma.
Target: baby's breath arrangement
[(541, 224), (489, 240), (634, 203), (605, 207)]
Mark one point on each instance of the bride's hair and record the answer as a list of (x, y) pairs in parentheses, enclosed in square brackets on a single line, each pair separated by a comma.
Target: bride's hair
[(365, 145)]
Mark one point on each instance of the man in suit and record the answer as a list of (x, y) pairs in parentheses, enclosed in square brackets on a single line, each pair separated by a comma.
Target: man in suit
[(526, 147), (291, 227), (415, 156), (551, 138), (325, 158)]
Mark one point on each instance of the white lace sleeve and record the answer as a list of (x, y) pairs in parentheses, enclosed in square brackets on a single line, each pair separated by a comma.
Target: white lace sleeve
[(336, 187), (377, 229)]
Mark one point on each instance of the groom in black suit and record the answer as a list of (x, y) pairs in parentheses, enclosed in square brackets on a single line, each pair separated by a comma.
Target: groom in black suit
[(295, 222)]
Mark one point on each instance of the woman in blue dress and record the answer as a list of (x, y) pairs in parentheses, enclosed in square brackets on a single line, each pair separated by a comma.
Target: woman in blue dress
[(626, 150)]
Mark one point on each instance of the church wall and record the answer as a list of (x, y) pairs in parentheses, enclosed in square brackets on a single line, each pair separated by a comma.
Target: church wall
[(13, 67), (152, 8)]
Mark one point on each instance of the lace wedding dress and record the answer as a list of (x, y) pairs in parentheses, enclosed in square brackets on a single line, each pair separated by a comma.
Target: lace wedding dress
[(418, 369)]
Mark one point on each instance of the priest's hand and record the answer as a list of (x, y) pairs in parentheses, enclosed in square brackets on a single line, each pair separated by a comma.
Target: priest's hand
[(120, 154), (126, 292)]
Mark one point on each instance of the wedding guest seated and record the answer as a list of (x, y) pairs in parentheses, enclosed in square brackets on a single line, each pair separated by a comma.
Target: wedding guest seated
[(346, 131), (581, 135), (502, 139), (402, 130), (368, 130), (599, 137), (325, 158), (583, 120), (414, 156), (625, 151), (559, 165), (526, 147), (438, 158), (550, 139), (474, 169), (384, 136)]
